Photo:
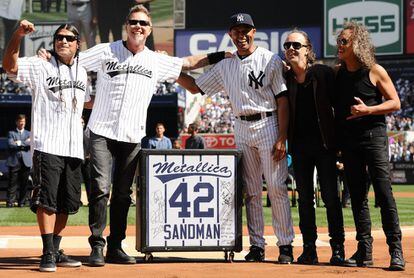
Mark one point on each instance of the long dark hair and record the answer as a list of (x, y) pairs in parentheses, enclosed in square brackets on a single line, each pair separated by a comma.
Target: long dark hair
[(70, 28), (74, 30), (362, 45)]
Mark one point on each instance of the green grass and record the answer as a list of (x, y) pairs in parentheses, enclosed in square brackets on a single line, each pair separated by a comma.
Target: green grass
[(402, 188), (160, 10), (24, 217), (405, 208)]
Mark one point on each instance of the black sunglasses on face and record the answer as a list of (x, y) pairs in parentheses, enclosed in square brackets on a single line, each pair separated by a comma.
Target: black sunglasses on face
[(295, 45), (140, 22), (342, 41), (67, 37)]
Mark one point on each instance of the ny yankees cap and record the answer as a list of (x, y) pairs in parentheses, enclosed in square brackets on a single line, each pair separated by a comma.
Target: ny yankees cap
[(240, 18)]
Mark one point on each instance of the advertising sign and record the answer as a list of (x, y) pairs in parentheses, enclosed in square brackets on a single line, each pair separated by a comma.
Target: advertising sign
[(189, 200), (402, 173), (201, 42), (214, 141), (382, 18)]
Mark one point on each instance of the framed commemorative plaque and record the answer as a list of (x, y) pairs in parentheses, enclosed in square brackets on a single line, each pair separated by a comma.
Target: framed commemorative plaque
[(189, 200)]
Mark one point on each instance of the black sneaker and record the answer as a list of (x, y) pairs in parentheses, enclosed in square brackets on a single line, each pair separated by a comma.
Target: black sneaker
[(338, 255), (397, 261), (359, 258), (285, 254), (256, 254), (47, 262), (118, 256), (65, 261), (309, 255)]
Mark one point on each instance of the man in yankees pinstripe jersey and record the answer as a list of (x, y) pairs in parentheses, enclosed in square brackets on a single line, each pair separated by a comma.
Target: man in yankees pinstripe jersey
[(127, 76), (253, 81), (58, 95)]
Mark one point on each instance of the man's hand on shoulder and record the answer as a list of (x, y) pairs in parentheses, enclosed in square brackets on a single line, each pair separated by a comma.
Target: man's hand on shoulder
[(44, 54)]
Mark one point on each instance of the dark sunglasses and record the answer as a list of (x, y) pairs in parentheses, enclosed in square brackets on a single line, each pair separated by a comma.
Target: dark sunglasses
[(67, 37), (295, 45), (140, 22), (342, 41)]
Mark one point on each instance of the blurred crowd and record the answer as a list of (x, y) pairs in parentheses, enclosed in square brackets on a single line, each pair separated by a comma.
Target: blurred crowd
[(402, 120), (9, 87), (405, 89), (399, 123), (167, 88), (401, 150), (216, 116)]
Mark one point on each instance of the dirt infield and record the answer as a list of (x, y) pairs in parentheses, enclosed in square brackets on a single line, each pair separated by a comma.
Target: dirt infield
[(22, 260)]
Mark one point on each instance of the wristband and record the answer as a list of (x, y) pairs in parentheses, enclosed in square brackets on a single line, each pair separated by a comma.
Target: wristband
[(215, 57)]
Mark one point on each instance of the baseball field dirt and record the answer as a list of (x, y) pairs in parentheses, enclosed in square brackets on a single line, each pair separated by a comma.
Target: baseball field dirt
[(20, 248)]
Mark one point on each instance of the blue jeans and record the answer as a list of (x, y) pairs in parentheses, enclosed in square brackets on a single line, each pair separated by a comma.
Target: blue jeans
[(125, 159), (371, 150), (305, 159)]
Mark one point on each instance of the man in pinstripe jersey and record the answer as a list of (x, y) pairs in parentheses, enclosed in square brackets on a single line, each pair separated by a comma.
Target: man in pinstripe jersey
[(253, 81), (128, 73), (58, 95)]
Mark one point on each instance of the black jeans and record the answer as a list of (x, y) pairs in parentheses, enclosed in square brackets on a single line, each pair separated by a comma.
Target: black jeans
[(305, 159), (125, 158), (86, 175), (371, 150)]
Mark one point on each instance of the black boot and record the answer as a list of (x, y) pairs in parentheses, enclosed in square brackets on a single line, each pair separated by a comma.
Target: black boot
[(256, 254), (285, 254), (362, 257), (309, 255), (118, 256), (397, 261), (96, 258), (338, 255)]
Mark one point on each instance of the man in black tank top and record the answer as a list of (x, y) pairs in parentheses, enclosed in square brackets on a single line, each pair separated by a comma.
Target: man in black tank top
[(361, 84)]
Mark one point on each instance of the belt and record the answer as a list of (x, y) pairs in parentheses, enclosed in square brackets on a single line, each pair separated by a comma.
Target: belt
[(255, 117), (79, 4)]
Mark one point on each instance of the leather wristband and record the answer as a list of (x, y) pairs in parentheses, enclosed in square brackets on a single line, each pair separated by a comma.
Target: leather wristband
[(215, 57)]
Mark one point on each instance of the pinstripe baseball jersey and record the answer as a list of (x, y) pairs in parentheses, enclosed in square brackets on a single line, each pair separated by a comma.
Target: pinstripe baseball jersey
[(250, 83), (125, 86), (58, 96)]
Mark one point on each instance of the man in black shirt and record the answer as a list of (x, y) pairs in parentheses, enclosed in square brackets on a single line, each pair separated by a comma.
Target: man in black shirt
[(195, 141), (312, 144)]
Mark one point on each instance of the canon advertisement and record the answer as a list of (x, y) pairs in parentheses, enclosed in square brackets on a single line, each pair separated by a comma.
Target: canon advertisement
[(200, 42)]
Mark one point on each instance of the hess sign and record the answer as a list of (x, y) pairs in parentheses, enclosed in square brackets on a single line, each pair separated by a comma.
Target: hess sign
[(382, 18)]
